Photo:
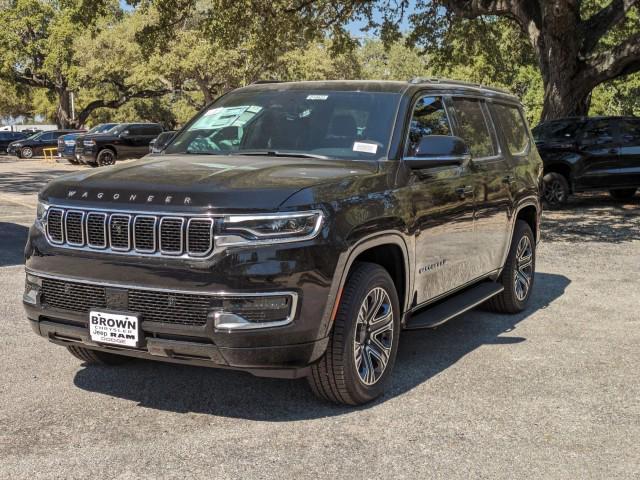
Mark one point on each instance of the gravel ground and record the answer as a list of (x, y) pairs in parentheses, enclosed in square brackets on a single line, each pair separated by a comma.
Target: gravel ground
[(550, 393)]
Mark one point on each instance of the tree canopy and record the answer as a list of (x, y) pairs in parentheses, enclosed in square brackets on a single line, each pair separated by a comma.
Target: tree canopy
[(163, 60)]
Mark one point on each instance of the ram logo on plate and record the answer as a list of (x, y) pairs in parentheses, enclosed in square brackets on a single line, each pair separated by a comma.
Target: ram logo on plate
[(114, 328)]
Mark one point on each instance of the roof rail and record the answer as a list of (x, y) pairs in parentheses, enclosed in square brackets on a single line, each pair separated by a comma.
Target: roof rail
[(260, 82), (458, 82)]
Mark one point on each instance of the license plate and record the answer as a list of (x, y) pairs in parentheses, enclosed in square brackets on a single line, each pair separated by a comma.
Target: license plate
[(114, 328)]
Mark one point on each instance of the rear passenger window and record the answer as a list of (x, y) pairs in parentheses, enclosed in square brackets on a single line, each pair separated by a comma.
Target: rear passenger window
[(630, 132), (473, 127), (429, 118), (513, 128), (597, 132)]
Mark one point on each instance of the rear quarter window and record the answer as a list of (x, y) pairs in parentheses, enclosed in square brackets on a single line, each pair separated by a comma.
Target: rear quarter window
[(514, 129)]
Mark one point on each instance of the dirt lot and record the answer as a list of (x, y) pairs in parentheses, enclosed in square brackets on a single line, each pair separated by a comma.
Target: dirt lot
[(550, 393)]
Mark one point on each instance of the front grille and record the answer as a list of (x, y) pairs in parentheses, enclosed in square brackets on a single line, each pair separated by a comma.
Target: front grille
[(138, 233), (153, 306), (77, 297)]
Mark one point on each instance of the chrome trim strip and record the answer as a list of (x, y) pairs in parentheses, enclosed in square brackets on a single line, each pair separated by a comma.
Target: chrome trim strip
[(155, 239), (120, 249), (66, 235), (169, 252), (61, 211), (202, 254), (104, 229)]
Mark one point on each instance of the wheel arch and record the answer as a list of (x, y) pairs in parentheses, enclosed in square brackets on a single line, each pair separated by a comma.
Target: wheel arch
[(563, 169), (387, 249)]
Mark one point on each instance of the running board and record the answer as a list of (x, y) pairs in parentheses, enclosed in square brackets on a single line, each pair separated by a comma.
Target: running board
[(454, 306)]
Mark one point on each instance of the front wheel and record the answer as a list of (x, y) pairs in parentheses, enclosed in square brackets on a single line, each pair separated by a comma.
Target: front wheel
[(106, 157), (556, 190), (364, 341), (623, 194), (26, 152), (518, 273)]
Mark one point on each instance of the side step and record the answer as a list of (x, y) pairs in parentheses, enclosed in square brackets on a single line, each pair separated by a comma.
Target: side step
[(453, 306)]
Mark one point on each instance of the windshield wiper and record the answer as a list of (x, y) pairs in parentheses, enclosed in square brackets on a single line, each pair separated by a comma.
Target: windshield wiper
[(279, 153)]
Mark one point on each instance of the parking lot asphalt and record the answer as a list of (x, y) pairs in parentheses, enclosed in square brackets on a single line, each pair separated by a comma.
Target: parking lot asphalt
[(553, 392)]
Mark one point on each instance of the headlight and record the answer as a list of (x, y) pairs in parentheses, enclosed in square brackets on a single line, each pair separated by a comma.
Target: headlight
[(266, 229), (89, 143), (16, 144), (70, 143), (41, 214)]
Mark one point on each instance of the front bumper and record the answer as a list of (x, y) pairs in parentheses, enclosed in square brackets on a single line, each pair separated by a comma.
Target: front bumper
[(305, 270)]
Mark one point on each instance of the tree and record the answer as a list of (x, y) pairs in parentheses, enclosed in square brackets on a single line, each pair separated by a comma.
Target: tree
[(37, 50), (578, 45)]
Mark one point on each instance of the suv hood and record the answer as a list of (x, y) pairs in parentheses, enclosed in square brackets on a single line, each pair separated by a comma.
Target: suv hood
[(216, 182)]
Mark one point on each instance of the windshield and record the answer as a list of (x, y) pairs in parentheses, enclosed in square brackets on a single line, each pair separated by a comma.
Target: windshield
[(102, 128), (317, 123)]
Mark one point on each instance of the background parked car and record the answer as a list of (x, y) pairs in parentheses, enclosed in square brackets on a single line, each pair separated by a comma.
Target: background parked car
[(34, 145), (67, 143), (127, 140), (161, 141), (597, 153), (7, 137)]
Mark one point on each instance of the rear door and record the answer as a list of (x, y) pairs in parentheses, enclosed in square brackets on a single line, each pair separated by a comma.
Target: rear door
[(629, 141), (490, 171), (600, 163)]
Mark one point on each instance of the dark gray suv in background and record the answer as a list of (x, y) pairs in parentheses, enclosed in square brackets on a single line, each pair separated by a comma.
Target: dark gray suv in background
[(294, 230)]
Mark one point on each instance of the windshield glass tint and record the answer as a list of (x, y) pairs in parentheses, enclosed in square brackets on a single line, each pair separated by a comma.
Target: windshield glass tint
[(345, 125)]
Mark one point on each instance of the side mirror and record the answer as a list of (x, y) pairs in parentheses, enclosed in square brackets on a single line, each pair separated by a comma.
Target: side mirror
[(439, 151)]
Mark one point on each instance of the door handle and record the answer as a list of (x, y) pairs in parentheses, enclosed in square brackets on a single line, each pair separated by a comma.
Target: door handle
[(466, 190)]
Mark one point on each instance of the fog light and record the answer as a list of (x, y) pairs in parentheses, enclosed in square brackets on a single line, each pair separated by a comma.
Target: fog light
[(248, 312), (32, 286)]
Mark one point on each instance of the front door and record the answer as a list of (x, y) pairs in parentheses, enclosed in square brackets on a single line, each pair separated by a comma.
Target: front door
[(600, 155), (442, 203)]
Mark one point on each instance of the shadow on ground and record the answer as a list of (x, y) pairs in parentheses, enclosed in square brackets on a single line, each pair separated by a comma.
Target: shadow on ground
[(422, 355), (13, 238), (593, 218), (28, 182)]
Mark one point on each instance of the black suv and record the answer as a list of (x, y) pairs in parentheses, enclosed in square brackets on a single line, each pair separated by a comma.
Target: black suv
[(597, 153), (127, 140), (293, 230)]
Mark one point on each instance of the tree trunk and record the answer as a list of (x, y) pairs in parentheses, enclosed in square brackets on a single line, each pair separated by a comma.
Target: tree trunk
[(564, 96), (63, 112)]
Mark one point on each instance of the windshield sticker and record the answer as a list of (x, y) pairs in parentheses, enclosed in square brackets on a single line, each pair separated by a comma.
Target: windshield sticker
[(365, 147), (317, 97), (213, 111), (254, 108)]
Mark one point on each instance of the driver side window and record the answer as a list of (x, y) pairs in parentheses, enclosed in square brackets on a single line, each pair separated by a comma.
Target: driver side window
[(429, 118)]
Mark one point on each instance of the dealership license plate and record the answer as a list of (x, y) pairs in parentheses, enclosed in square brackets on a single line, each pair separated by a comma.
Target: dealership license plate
[(114, 328)]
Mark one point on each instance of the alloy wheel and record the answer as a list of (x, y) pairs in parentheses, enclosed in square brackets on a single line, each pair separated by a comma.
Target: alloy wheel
[(107, 158), (373, 337), (27, 152), (554, 192), (524, 268)]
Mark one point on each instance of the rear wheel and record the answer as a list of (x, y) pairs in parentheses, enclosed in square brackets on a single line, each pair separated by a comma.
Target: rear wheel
[(364, 341), (26, 152), (623, 194), (93, 357), (518, 273), (556, 190), (106, 157)]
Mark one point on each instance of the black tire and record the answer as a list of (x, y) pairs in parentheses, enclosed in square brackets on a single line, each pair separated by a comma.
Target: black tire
[(511, 299), (556, 190), (336, 376), (95, 357), (106, 157), (623, 194)]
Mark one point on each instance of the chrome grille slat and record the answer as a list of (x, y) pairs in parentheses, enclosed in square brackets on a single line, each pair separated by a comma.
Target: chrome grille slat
[(74, 227), (135, 233)]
